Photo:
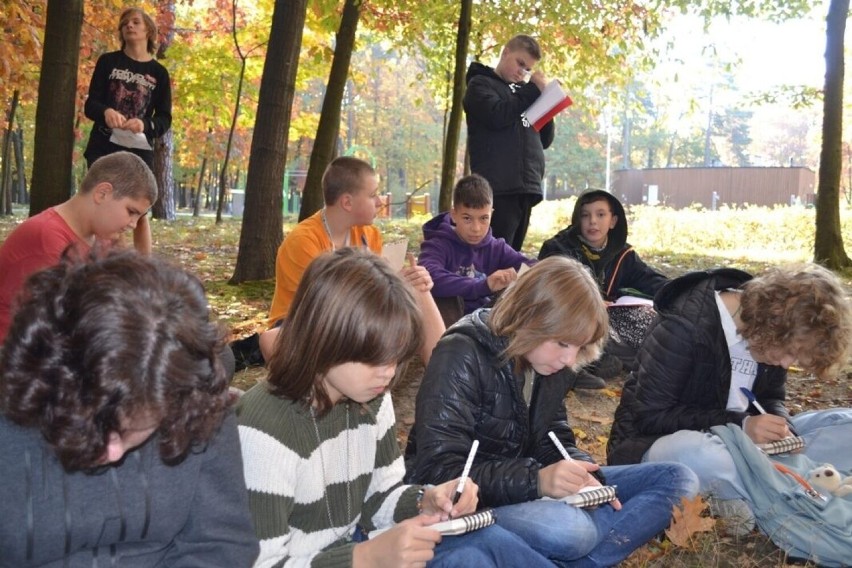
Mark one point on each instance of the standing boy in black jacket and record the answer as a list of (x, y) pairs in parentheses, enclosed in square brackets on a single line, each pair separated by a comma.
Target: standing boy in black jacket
[(504, 148)]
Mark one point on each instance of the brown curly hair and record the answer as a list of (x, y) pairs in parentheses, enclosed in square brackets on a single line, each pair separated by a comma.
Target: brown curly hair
[(803, 310), (102, 341)]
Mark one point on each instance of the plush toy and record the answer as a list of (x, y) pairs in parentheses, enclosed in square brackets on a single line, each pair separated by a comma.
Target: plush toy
[(827, 477)]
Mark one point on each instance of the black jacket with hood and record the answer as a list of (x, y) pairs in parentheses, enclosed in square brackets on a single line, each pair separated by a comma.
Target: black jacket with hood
[(503, 149), (683, 370), (617, 266), (469, 393)]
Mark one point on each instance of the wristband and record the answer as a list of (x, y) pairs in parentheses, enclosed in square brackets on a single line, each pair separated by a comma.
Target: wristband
[(418, 500)]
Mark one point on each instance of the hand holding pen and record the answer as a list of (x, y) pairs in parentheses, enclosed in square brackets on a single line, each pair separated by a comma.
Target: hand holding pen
[(765, 427)]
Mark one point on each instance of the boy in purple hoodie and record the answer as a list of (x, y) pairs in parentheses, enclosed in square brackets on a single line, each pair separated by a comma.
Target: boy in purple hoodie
[(460, 253)]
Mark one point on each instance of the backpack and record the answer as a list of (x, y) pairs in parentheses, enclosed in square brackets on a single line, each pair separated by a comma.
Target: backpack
[(800, 521)]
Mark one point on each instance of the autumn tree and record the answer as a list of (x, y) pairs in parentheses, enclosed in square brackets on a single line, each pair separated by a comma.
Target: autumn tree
[(451, 137), (57, 88), (329, 123), (261, 232), (828, 243)]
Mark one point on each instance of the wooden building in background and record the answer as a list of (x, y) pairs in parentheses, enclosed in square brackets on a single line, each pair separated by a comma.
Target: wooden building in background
[(682, 187)]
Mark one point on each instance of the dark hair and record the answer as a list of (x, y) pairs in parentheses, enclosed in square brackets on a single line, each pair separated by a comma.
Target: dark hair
[(97, 343), (343, 175), (150, 27), (557, 299), (587, 197), (525, 42), (127, 173), (804, 310), (473, 191), (350, 307)]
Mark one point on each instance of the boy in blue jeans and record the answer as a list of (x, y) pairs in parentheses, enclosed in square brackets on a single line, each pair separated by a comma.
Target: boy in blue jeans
[(462, 256)]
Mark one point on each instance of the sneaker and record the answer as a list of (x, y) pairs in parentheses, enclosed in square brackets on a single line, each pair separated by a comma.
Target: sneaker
[(607, 367), (586, 380), (625, 353), (734, 516)]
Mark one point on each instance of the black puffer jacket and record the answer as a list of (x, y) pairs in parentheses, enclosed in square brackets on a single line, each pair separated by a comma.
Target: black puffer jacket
[(506, 152), (619, 266), (683, 371), (467, 394)]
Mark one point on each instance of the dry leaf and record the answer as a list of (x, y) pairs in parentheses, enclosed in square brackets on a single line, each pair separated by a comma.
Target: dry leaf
[(688, 520)]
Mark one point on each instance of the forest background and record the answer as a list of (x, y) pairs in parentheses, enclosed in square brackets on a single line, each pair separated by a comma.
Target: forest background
[(656, 83)]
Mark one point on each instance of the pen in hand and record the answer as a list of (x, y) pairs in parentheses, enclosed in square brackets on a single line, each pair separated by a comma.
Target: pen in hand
[(559, 446), (753, 400), (465, 472)]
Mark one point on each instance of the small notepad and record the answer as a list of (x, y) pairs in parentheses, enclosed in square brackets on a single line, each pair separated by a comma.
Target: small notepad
[(459, 525), (783, 446), (591, 496), (466, 523)]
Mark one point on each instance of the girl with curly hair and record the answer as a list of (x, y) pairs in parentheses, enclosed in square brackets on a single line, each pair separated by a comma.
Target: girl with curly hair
[(721, 331), (117, 440)]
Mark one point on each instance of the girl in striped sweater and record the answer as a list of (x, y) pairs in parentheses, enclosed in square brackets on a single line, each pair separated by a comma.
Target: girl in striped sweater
[(321, 457)]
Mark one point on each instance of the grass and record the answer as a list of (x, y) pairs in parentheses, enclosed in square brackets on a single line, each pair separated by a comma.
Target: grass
[(675, 242)]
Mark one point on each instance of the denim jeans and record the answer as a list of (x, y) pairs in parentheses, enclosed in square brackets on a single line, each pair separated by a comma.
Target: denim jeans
[(575, 537), (824, 431), (489, 547)]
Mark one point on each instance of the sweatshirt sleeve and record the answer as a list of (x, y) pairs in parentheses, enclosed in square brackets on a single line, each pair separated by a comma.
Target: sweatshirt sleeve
[(446, 283), (96, 102), (160, 120)]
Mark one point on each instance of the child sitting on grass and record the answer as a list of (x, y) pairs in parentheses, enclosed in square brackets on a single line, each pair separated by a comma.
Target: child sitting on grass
[(720, 331), (460, 253), (500, 376), (114, 197), (119, 446), (597, 237), (351, 193), (322, 461)]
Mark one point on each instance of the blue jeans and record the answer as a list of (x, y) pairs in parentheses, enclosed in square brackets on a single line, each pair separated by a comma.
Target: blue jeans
[(489, 547), (575, 537)]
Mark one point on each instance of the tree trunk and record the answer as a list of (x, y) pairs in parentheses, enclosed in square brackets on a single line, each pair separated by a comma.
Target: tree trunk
[(6, 172), (164, 208), (828, 243), (329, 122), (57, 93), (451, 139), (261, 233), (21, 178)]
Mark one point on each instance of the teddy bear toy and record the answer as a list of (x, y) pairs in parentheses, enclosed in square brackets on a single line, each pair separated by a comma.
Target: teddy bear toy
[(827, 477)]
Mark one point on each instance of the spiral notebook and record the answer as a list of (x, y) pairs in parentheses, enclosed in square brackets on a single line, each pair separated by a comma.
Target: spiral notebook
[(459, 525), (466, 523), (783, 446), (591, 497)]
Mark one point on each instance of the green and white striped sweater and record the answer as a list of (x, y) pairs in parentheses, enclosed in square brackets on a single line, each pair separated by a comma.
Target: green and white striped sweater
[(289, 477)]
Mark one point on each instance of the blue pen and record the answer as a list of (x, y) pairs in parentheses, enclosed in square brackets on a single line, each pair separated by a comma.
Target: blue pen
[(753, 400)]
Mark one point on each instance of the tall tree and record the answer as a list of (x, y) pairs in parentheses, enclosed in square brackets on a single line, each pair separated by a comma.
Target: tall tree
[(828, 243), (57, 91), (261, 232), (451, 140), (243, 57), (329, 122)]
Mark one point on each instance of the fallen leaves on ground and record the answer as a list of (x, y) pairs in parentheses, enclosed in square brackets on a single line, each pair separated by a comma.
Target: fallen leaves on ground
[(688, 519)]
